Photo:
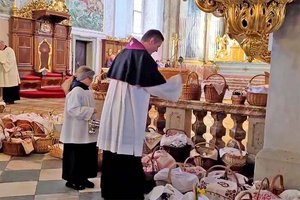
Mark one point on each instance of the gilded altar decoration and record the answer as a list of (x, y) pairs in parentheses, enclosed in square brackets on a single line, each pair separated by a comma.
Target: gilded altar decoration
[(228, 50), (36, 5), (249, 22), (59, 6)]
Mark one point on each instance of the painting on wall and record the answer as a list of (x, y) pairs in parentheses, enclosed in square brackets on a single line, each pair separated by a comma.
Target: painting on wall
[(87, 14), (5, 6)]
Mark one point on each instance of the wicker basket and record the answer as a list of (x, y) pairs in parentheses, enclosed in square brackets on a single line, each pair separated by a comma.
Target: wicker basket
[(238, 97), (211, 95), (256, 99), (56, 151), (232, 160), (207, 152), (191, 90), (42, 144), (178, 153), (12, 148)]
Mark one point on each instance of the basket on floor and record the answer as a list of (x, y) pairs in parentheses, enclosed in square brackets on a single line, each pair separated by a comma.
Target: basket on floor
[(56, 150), (191, 90), (12, 148), (41, 145), (209, 154), (211, 94), (180, 154), (256, 99), (236, 161)]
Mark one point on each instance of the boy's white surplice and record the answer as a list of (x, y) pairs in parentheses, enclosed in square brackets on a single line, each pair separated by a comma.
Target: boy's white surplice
[(124, 114), (79, 109)]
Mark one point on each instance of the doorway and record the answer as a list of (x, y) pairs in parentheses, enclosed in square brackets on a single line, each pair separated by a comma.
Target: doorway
[(80, 53)]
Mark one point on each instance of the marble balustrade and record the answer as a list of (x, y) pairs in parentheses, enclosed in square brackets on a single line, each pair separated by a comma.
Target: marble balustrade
[(246, 122)]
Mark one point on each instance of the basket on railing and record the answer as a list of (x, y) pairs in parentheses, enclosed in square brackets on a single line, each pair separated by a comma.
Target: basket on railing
[(238, 97), (210, 92), (256, 99), (191, 90)]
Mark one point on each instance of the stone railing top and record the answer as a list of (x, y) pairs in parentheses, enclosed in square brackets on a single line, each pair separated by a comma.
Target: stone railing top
[(214, 107)]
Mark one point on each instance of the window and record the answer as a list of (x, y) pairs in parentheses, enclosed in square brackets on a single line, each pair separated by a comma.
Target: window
[(138, 16)]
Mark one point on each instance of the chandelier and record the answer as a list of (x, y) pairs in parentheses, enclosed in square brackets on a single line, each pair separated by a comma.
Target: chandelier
[(249, 22)]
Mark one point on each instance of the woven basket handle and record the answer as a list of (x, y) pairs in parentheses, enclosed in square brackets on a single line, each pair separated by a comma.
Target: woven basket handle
[(152, 158), (261, 186), (227, 171), (238, 144), (249, 84), (220, 76), (26, 125), (189, 158), (203, 145), (242, 194), (280, 188), (191, 76)]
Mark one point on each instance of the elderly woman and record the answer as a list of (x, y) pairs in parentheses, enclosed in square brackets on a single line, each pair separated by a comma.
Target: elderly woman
[(80, 152)]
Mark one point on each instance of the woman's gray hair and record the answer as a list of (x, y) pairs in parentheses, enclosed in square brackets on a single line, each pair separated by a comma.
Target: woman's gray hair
[(83, 72)]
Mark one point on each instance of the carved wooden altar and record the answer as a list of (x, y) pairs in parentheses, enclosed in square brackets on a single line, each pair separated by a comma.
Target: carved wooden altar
[(40, 37)]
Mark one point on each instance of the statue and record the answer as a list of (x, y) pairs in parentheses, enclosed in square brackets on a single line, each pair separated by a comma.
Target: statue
[(222, 51)]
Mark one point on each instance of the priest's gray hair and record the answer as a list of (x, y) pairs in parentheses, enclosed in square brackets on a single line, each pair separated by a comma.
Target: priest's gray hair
[(83, 72)]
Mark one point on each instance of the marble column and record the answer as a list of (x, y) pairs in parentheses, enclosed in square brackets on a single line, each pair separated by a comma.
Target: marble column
[(281, 151)]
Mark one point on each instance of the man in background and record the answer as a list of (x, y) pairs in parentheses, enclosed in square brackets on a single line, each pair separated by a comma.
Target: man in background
[(9, 75)]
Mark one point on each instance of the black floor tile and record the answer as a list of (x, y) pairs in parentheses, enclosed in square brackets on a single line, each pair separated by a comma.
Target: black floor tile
[(19, 175)]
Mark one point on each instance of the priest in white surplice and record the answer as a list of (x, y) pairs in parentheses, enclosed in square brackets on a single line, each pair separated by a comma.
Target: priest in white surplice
[(9, 75), (134, 76)]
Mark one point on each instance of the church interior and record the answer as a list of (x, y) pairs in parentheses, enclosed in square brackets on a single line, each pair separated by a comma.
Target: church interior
[(240, 67)]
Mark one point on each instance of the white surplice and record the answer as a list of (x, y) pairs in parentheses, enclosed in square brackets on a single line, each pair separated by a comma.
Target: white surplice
[(124, 114), (9, 74)]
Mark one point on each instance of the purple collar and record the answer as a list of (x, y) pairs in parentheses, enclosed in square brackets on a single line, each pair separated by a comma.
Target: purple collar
[(135, 44)]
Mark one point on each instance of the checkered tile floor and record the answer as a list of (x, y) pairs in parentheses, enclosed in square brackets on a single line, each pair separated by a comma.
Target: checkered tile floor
[(38, 177)]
